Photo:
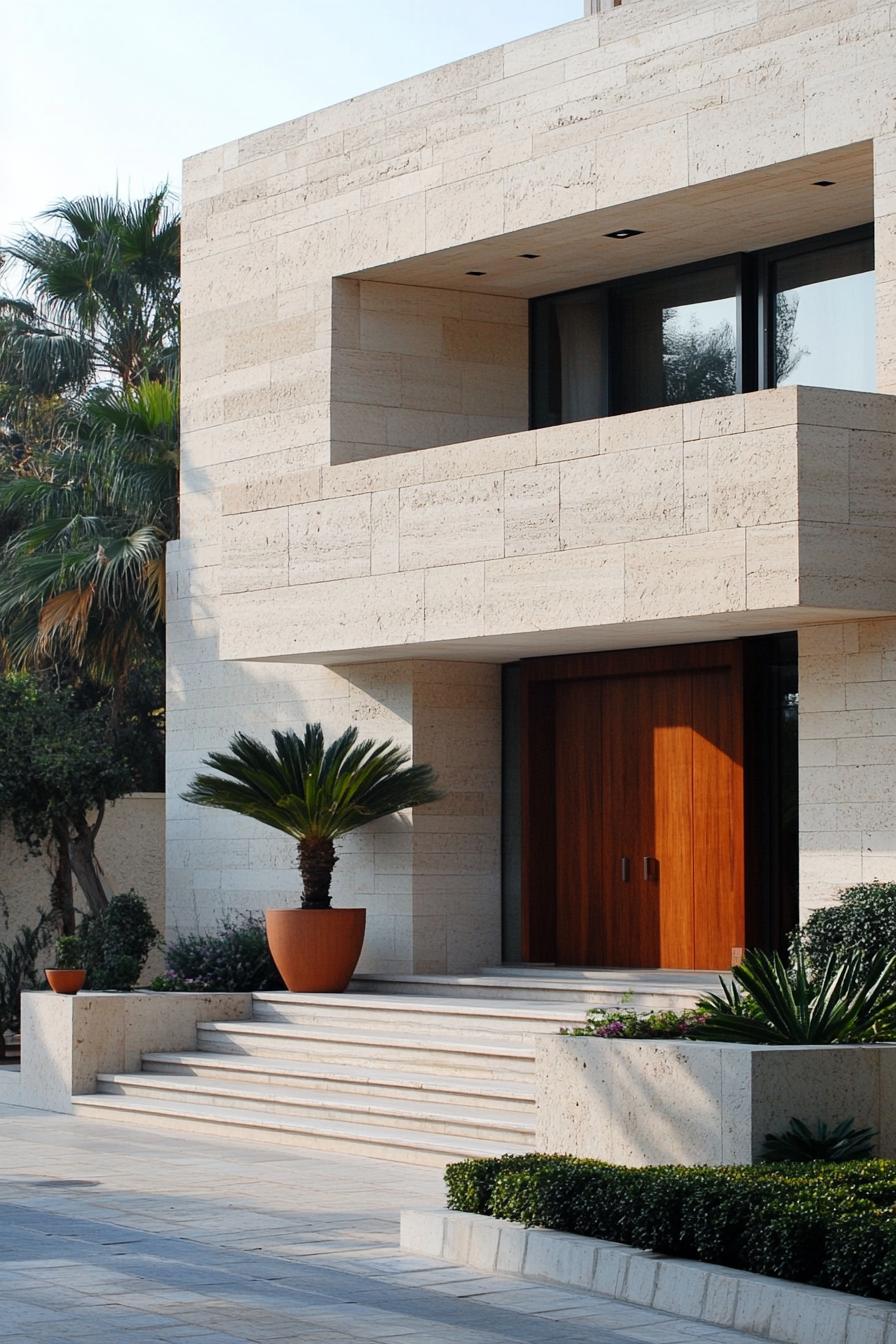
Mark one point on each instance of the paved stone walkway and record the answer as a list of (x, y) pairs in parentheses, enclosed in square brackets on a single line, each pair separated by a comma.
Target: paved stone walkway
[(111, 1235)]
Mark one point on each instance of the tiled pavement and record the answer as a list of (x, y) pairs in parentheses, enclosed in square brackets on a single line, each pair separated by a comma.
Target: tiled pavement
[(126, 1236)]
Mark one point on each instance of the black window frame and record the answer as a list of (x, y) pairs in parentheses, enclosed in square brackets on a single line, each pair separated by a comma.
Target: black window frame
[(766, 261), (755, 323)]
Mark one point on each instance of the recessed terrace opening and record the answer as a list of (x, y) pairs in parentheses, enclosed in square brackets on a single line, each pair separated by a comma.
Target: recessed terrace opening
[(435, 349)]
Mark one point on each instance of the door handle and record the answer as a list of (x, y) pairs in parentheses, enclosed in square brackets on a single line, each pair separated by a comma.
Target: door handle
[(626, 870), (651, 868)]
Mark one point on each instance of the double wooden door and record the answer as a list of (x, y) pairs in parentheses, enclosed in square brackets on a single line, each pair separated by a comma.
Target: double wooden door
[(640, 859)]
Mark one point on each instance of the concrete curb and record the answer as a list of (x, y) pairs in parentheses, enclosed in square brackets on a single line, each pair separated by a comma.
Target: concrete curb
[(792, 1313)]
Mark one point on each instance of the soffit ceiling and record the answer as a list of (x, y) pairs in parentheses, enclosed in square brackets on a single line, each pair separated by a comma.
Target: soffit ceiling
[(771, 205)]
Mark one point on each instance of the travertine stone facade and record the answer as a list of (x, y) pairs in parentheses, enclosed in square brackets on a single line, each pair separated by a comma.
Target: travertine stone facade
[(414, 367), (359, 485), (776, 507), (847, 756)]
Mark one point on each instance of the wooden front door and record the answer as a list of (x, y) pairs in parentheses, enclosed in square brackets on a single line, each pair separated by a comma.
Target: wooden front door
[(638, 859)]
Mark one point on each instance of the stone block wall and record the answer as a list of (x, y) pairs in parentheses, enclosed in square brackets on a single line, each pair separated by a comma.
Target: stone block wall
[(414, 367), (738, 505), (430, 881), (847, 727)]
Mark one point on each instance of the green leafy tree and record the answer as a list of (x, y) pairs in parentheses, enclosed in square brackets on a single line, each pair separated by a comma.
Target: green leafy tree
[(82, 572), (313, 792), (59, 768), (89, 341)]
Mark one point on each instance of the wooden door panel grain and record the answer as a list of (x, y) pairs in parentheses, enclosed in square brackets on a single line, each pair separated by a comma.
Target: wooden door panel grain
[(667, 816), (641, 753), (718, 818), (577, 787), (618, 920)]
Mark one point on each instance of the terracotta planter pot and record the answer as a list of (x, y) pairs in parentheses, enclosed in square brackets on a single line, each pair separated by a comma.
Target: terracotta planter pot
[(316, 951), (65, 982)]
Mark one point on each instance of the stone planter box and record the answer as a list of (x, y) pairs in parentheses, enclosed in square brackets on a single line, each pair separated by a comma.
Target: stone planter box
[(692, 1102), (68, 1039)]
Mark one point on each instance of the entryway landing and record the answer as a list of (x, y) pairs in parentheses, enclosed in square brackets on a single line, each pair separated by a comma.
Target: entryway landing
[(608, 987)]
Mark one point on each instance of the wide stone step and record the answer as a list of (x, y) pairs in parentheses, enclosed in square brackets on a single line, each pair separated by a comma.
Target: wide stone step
[(391, 1144), (397, 1013), (482, 1092), (282, 1102), (477, 1053), (638, 989)]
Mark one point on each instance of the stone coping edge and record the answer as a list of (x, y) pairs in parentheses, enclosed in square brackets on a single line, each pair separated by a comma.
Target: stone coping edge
[(792, 1313)]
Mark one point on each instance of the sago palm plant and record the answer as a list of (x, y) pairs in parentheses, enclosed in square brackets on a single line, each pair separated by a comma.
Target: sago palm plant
[(770, 1003), (314, 792)]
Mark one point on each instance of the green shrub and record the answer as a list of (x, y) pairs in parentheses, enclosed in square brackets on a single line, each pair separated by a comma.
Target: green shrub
[(860, 925), (828, 1223), (69, 954), (116, 942), (470, 1184), (234, 958), (856, 1256)]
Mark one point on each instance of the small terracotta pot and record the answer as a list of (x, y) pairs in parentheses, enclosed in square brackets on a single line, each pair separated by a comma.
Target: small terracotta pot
[(315, 951), (66, 982)]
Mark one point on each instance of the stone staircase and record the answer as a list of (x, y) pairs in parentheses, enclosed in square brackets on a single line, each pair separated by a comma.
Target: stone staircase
[(413, 1069)]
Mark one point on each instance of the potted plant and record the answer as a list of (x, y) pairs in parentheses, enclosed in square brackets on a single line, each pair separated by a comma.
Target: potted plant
[(69, 974), (315, 793)]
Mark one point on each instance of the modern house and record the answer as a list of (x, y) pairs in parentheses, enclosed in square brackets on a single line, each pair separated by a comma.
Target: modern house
[(540, 413)]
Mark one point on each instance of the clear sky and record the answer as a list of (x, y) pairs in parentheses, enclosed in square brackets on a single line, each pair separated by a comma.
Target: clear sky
[(99, 92)]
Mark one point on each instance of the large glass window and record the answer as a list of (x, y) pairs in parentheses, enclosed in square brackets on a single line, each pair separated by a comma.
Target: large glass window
[(569, 343), (801, 313), (823, 320), (675, 339)]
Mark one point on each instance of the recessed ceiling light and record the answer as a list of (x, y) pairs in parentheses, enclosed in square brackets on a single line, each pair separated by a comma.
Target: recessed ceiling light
[(824, 182), (624, 233), (475, 272), (530, 256)]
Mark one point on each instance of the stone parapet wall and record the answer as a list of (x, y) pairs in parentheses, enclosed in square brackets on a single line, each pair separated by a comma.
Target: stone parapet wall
[(646, 1103), (771, 501)]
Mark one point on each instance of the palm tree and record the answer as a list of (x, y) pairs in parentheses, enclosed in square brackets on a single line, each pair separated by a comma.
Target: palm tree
[(98, 299), (82, 571), (313, 792)]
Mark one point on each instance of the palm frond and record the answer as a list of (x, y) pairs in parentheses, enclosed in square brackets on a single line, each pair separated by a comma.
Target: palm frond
[(310, 790)]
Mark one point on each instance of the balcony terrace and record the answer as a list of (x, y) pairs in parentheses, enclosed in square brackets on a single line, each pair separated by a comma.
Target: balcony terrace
[(740, 515)]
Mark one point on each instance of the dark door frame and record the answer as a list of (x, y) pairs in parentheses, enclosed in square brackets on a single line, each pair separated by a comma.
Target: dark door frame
[(538, 677)]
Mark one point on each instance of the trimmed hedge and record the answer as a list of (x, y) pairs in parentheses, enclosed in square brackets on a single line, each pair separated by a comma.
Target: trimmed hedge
[(831, 1224)]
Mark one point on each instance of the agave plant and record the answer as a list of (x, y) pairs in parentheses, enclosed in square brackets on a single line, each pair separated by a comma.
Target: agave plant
[(313, 792), (769, 1003), (799, 1143)]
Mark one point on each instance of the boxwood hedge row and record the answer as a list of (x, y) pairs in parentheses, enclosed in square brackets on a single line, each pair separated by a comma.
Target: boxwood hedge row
[(832, 1224)]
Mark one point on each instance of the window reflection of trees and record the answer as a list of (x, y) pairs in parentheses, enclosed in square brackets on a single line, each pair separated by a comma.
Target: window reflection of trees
[(701, 362), (698, 362)]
